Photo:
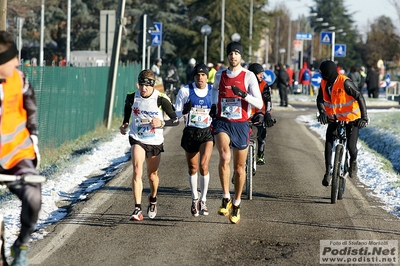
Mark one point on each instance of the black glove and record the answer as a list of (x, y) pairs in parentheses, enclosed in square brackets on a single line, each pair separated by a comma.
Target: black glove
[(323, 118), (239, 92), (187, 107), (362, 122), (268, 120), (213, 111)]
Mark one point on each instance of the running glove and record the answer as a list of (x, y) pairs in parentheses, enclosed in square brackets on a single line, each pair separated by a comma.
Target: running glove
[(323, 118), (187, 107), (268, 120), (362, 122), (213, 111), (239, 92)]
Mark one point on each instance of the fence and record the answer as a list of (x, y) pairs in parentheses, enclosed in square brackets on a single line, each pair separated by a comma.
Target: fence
[(72, 100)]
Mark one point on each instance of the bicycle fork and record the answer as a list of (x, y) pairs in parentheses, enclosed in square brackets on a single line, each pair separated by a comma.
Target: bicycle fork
[(343, 172)]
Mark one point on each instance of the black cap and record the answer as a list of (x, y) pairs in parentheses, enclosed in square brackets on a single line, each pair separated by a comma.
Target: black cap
[(234, 47), (200, 68), (256, 68)]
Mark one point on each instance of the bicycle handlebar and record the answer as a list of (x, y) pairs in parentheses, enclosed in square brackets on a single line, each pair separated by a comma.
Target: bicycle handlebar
[(22, 179)]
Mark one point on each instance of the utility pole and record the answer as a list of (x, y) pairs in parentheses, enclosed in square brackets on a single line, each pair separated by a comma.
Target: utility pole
[(3, 14)]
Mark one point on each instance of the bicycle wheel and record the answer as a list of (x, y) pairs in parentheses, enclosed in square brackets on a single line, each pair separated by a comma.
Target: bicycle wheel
[(342, 181), (336, 174), (249, 172)]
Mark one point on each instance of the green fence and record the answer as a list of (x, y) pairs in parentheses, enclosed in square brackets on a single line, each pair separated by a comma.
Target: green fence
[(72, 100)]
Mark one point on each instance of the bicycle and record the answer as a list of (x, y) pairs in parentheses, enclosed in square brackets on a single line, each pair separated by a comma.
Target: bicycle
[(340, 162), (14, 180)]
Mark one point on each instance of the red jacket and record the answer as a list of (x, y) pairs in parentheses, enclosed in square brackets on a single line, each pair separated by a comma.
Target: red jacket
[(301, 80)]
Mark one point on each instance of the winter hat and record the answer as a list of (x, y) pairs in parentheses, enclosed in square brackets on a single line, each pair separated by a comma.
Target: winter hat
[(234, 47), (256, 68), (200, 68), (328, 71)]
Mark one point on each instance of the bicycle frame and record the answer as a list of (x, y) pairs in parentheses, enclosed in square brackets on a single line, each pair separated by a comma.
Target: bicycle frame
[(339, 162)]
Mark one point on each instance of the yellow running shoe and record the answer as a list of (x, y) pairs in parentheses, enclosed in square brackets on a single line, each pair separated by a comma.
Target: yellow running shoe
[(234, 216), (226, 205)]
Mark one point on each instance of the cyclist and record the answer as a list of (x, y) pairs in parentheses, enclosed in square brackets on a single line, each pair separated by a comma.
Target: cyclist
[(194, 103), (339, 99), (146, 106), (19, 153), (262, 117), (235, 91)]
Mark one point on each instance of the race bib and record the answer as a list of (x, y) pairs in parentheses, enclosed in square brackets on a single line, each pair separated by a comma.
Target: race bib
[(231, 108), (199, 117)]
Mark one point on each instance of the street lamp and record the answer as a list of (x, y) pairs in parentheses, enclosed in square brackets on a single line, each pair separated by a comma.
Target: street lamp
[(205, 30), (282, 52), (235, 37), (323, 24)]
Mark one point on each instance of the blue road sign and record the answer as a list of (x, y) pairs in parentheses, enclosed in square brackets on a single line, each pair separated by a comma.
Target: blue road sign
[(326, 37), (269, 76), (316, 79), (303, 36), (340, 50), (156, 34), (387, 79)]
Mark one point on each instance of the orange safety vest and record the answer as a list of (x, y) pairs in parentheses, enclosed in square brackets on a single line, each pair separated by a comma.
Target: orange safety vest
[(15, 142), (339, 103), (255, 110)]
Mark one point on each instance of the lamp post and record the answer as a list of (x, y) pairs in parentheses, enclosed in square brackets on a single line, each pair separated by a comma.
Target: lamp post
[(205, 30), (323, 24), (282, 52), (222, 30)]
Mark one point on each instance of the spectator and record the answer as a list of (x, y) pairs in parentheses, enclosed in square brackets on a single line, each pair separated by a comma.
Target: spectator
[(305, 78), (156, 69), (363, 76), (211, 73), (189, 71), (290, 72), (354, 76), (282, 79), (372, 81)]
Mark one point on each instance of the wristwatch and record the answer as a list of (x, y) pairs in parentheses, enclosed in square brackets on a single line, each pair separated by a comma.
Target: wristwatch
[(162, 123)]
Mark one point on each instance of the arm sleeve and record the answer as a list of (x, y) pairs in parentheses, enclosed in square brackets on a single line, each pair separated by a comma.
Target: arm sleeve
[(214, 93), (128, 106), (253, 92), (320, 101), (167, 107), (353, 91), (266, 96), (30, 106), (181, 99)]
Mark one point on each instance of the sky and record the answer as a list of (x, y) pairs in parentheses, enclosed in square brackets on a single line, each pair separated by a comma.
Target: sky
[(365, 10), (109, 158)]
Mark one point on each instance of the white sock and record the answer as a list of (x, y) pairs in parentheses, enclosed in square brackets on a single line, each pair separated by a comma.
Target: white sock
[(204, 180), (226, 196), (236, 202), (193, 185)]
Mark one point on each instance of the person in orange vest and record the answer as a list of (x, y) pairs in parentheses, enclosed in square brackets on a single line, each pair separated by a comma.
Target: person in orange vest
[(339, 99), (19, 153), (290, 72), (262, 117)]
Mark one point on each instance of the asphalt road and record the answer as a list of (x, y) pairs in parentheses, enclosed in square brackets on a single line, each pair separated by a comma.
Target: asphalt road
[(283, 225)]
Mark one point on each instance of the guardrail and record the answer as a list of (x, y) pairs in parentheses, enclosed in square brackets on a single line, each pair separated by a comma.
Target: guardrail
[(393, 91)]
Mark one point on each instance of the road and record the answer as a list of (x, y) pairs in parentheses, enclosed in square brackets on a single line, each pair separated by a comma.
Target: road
[(283, 224)]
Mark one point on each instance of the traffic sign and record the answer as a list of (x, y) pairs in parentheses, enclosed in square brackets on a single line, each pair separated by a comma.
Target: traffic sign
[(340, 50), (326, 37), (387, 79), (316, 79), (156, 34), (303, 36), (269, 76)]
